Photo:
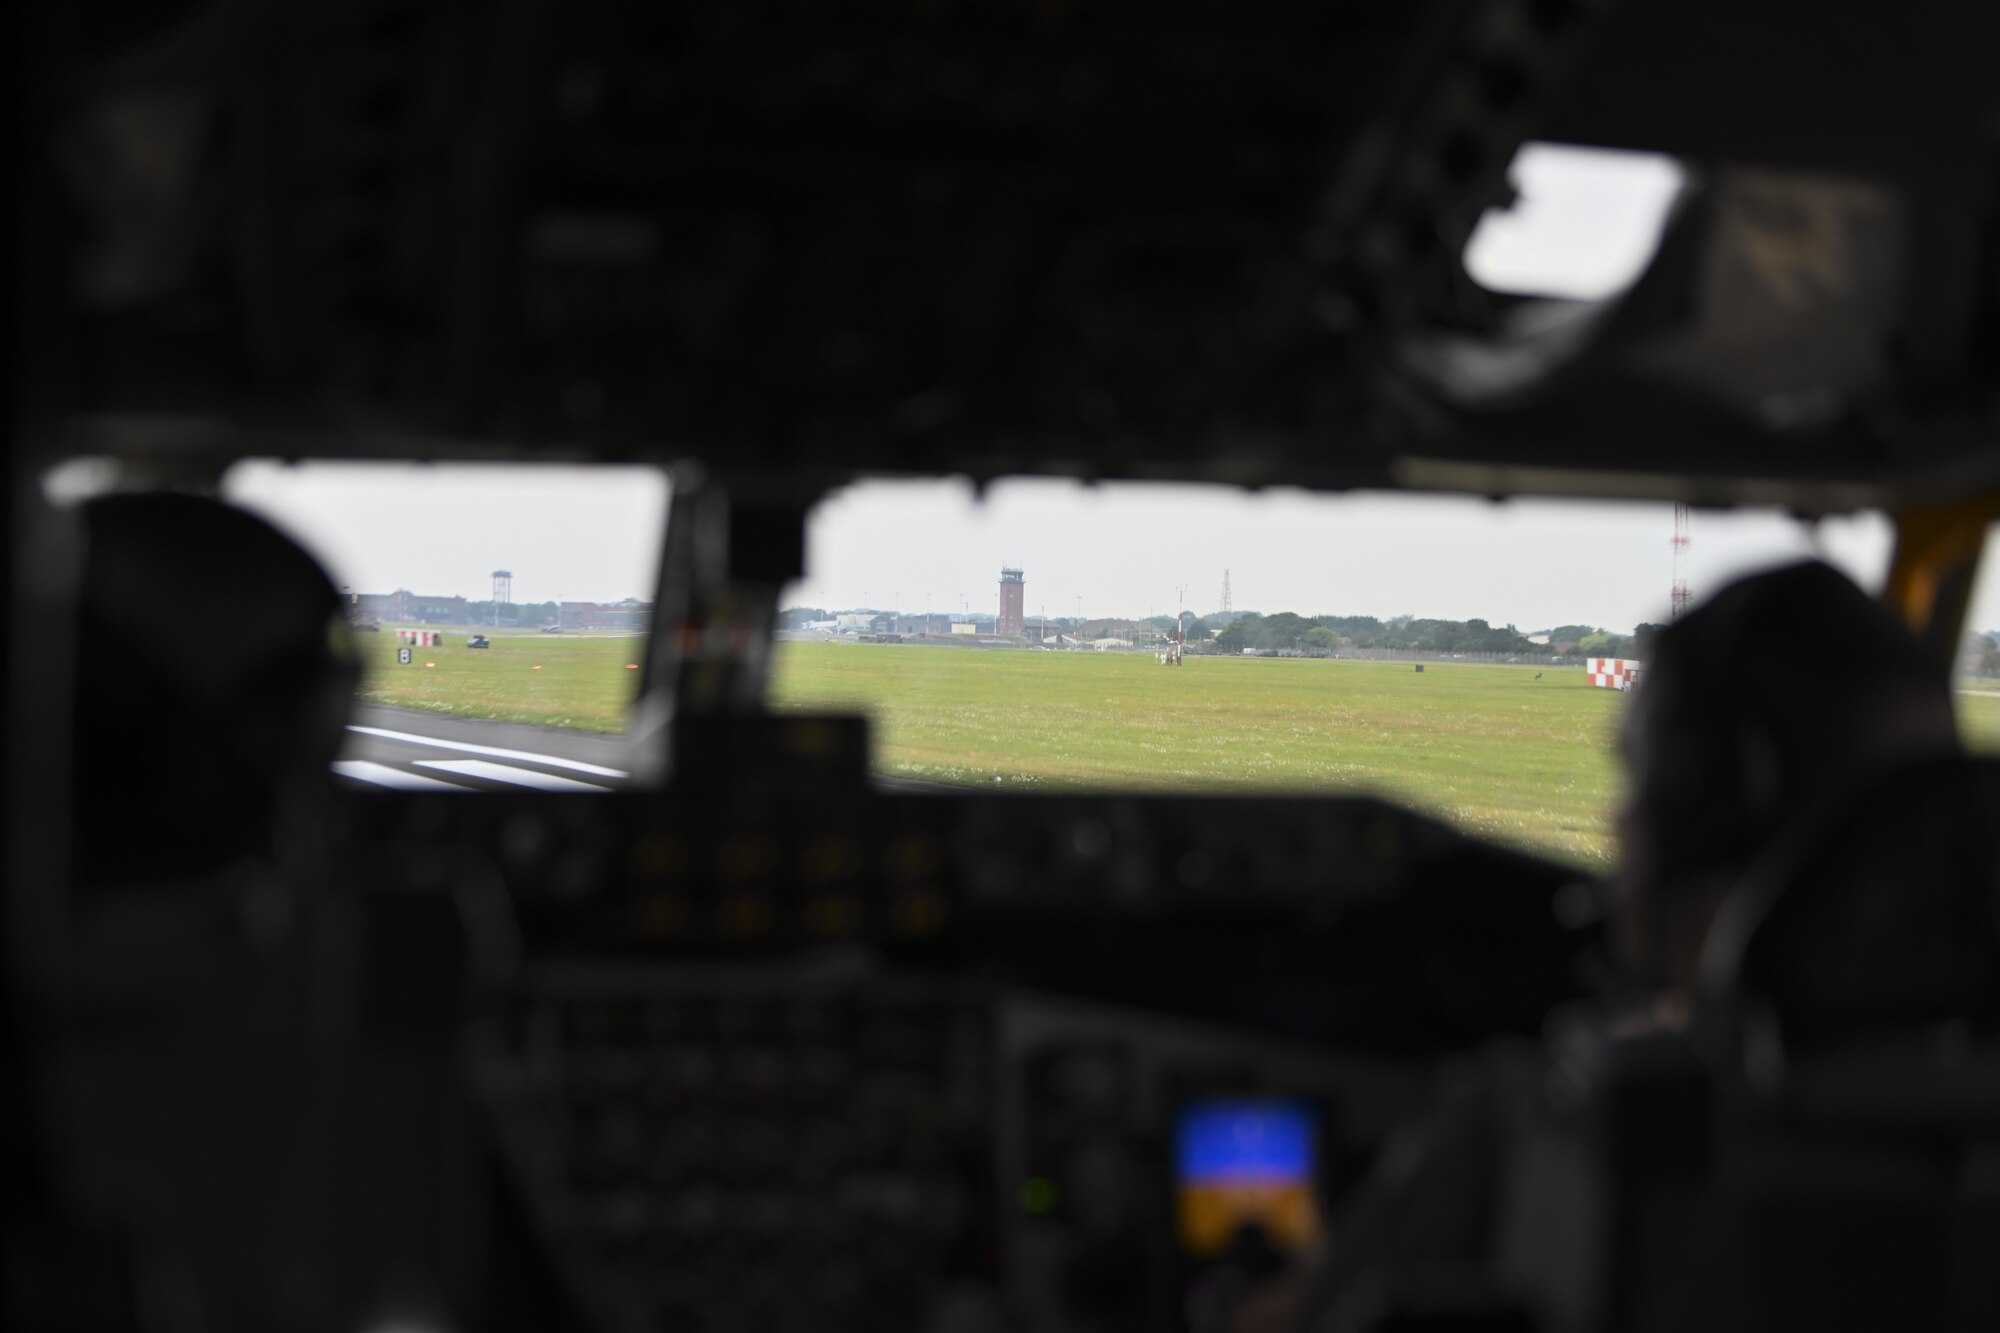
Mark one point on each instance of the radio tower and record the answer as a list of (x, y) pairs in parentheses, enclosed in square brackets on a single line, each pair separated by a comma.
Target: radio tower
[(1225, 592), (1679, 598)]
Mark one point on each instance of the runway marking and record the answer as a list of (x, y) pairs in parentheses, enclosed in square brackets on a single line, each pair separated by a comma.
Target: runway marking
[(553, 761), (519, 777), (383, 775)]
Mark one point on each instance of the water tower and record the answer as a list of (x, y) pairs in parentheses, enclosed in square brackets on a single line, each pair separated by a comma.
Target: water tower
[(503, 592)]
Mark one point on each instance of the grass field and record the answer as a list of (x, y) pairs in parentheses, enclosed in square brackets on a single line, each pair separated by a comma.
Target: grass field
[(1979, 717), (1490, 747), (556, 680)]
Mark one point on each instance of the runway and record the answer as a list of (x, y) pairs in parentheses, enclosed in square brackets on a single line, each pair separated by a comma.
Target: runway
[(406, 749)]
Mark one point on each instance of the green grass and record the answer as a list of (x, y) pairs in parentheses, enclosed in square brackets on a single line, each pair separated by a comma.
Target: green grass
[(1493, 749), (555, 680), (1979, 717)]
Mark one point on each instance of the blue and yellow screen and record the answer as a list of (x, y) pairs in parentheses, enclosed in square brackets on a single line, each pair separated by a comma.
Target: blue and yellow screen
[(1246, 1161)]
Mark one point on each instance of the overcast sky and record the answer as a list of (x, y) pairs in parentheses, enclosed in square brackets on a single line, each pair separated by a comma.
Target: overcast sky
[(567, 533), (1585, 224), (592, 534), (1122, 550)]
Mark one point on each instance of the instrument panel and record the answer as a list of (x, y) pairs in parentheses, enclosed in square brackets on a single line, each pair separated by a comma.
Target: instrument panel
[(843, 1147), (1347, 920), (817, 1055)]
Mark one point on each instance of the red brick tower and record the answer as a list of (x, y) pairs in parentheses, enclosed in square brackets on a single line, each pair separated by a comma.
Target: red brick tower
[(1013, 597)]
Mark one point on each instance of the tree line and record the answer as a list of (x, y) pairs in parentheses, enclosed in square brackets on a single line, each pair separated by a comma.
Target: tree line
[(524, 613), (1286, 631), (521, 613), (1979, 654)]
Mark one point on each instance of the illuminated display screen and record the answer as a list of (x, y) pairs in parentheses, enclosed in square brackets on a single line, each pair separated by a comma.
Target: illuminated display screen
[(1246, 1162)]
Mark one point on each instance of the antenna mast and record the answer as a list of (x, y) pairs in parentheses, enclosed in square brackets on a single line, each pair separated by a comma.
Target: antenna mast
[(1227, 605), (1678, 599)]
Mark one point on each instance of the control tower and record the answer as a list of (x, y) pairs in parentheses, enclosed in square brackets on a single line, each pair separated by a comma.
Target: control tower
[(1013, 596)]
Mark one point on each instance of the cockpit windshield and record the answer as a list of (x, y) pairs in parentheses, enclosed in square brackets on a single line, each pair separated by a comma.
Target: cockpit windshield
[(1465, 657), (501, 612)]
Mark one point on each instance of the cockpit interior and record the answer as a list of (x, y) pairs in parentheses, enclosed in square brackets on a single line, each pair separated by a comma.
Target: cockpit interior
[(715, 1023)]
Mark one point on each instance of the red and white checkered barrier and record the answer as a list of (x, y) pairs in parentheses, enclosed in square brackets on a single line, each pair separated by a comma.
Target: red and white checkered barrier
[(422, 638), (1614, 673)]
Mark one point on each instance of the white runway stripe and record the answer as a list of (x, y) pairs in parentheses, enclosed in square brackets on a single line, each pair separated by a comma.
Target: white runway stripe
[(553, 761), (519, 777), (383, 775)]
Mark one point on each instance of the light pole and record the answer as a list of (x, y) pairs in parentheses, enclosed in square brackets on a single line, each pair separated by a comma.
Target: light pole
[(1180, 625)]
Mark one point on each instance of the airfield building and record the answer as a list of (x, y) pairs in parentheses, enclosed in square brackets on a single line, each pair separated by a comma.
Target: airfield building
[(404, 606)]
